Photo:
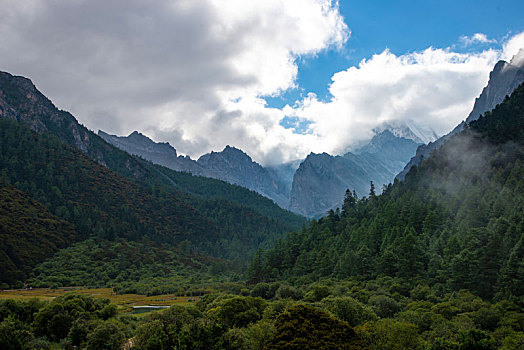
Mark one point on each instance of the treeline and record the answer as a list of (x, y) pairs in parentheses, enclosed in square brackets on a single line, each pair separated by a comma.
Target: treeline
[(131, 267), (67, 322)]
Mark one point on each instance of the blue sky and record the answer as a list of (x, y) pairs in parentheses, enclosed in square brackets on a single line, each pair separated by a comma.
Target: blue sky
[(403, 27)]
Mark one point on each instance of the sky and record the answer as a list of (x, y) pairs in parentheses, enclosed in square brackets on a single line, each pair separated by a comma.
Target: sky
[(277, 78)]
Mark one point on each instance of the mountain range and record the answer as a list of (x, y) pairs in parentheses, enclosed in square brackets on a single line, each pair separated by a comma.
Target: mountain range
[(316, 184), (453, 224), (58, 174), (321, 180), (231, 164), (302, 186)]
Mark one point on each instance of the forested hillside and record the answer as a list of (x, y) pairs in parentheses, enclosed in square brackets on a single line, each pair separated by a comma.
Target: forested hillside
[(101, 204), (28, 234), (101, 192), (435, 262), (456, 222)]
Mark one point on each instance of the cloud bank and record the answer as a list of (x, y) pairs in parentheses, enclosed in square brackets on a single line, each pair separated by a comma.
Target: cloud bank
[(192, 72)]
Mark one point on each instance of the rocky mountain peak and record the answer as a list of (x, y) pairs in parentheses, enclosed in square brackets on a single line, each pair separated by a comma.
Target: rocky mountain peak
[(20, 100), (139, 136), (233, 151), (229, 154)]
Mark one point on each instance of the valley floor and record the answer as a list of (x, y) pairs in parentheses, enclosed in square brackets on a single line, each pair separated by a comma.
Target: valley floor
[(125, 302)]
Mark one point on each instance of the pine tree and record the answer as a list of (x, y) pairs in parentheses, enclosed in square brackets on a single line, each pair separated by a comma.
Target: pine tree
[(372, 193)]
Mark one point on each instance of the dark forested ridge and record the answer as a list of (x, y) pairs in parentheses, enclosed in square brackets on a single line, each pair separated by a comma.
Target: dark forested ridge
[(108, 194), (101, 204)]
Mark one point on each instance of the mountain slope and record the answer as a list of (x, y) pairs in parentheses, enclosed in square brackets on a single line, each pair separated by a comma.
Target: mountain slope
[(321, 179), (105, 193), (284, 173), (234, 166), (95, 199), (29, 233), (100, 203), (503, 80), (20, 100)]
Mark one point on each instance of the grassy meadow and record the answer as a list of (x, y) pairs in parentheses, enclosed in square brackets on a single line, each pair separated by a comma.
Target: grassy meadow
[(125, 302)]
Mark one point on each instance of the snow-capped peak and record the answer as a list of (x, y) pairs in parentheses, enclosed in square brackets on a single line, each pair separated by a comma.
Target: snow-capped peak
[(408, 130)]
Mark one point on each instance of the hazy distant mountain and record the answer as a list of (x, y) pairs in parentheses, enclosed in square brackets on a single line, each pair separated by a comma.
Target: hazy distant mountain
[(308, 187), (321, 180), (284, 172), (503, 79), (236, 167), (231, 165), (159, 153)]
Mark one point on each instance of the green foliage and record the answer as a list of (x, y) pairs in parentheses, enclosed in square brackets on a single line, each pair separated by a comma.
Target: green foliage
[(317, 292), (15, 335), (348, 309), (129, 267), (237, 311), (384, 305), (56, 319), (302, 327), (391, 335), (181, 328), (70, 321), (23, 311), (28, 234), (107, 336), (288, 292)]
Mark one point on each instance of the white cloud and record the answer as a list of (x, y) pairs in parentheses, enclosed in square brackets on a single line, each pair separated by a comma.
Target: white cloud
[(191, 72), (477, 38), (511, 47), (434, 87), (168, 67)]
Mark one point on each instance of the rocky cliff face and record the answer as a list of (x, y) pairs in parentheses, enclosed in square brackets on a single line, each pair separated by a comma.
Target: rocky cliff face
[(503, 79), (34, 109), (320, 182), (309, 187)]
